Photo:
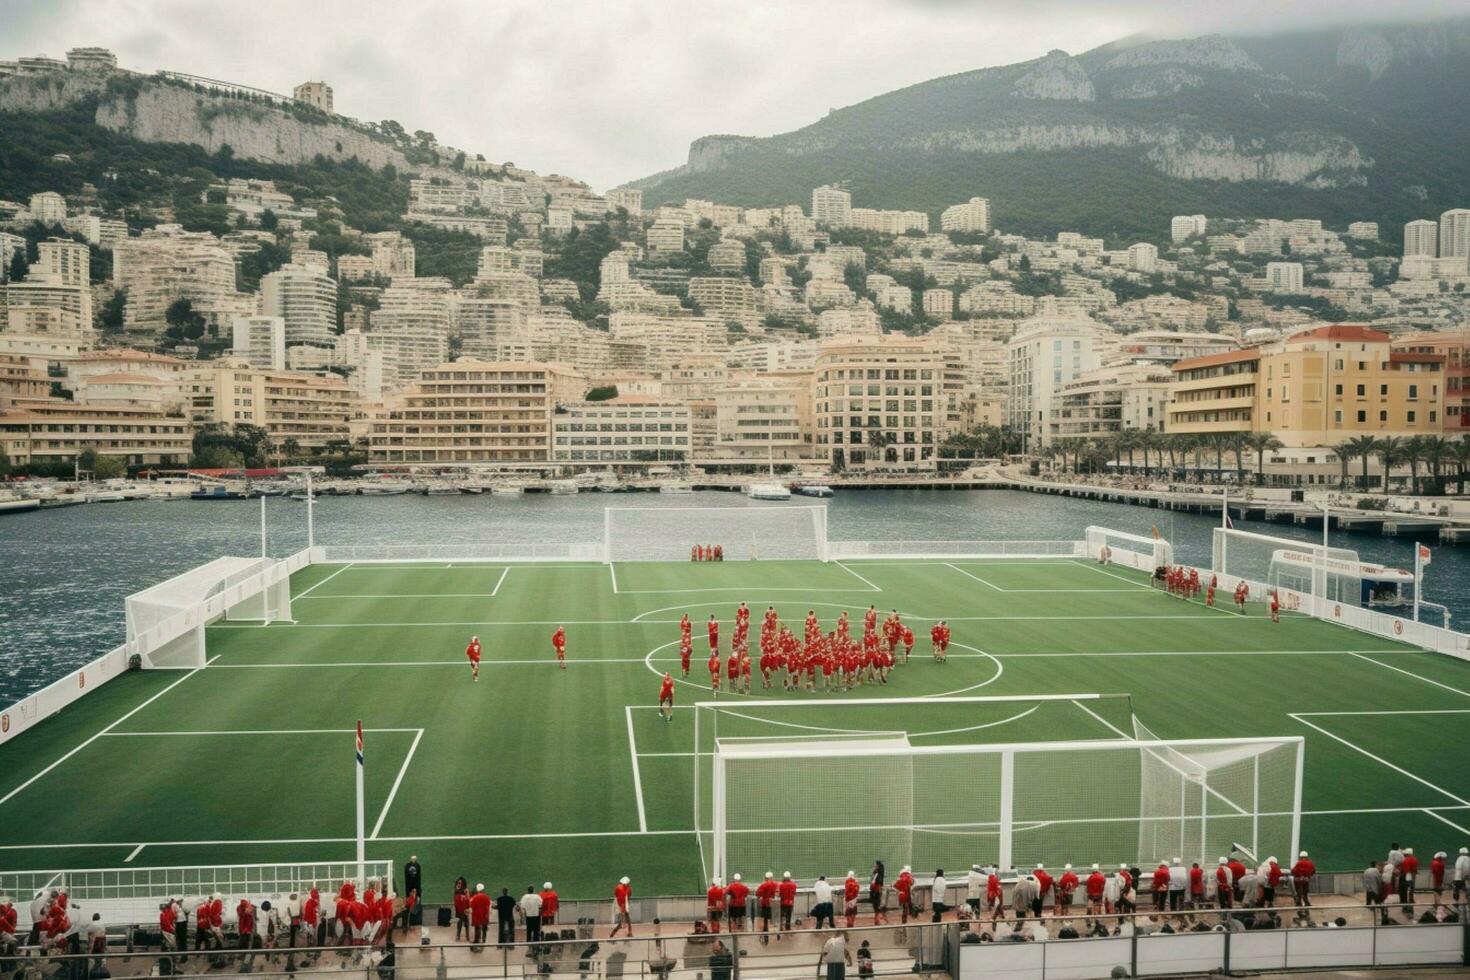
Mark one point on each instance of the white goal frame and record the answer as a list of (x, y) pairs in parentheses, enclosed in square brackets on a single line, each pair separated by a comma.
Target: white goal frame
[(737, 547), (1008, 753), (1140, 551)]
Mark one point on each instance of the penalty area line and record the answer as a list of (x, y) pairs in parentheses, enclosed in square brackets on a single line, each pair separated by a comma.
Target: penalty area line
[(637, 778), (855, 575), (1379, 759), (383, 814)]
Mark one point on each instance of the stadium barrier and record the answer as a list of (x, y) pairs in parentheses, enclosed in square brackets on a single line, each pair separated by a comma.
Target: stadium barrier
[(589, 551), (840, 550), (32, 709)]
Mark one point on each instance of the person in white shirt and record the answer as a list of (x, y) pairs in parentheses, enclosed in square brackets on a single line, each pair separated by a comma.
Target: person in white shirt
[(836, 956), (822, 902), (937, 894), (974, 889), (1178, 884), (530, 909), (1461, 874)]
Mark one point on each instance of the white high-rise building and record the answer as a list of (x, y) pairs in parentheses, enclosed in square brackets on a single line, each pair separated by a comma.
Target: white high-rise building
[(261, 340), (666, 235), (629, 199), (1185, 225), (1143, 257), (972, 216), (48, 207), (1284, 277), (1454, 233), (1044, 355), (831, 206), (1421, 238), (306, 300)]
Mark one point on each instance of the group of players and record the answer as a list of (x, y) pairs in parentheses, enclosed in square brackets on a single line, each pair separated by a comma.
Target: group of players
[(707, 552), (1185, 583), (841, 661)]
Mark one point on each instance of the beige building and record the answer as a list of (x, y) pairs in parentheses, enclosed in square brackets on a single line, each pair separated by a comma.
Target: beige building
[(972, 216), (311, 409), (878, 402), (625, 429), (315, 94), (475, 412), (1109, 400), (53, 430), (764, 417), (306, 302), (1315, 388), (166, 264), (19, 378)]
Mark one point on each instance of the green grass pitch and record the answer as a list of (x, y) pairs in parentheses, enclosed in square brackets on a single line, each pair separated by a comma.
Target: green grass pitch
[(535, 773)]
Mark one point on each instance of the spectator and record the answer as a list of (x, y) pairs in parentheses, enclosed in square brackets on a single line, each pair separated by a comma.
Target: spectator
[(1025, 896), (1270, 873), (505, 915), (1178, 884), (822, 902), (1224, 885), (1462, 874), (736, 897), (1249, 889), (1408, 868), (413, 876), (1373, 886), (530, 908), (1196, 886), (1301, 879), (245, 923), (1237, 872), (40, 907), (865, 960), (938, 892), (721, 963), (549, 902), (714, 903), (1436, 875), (168, 922), (622, 897), (480, 916), (96, 936), (1161, 887), (835, 955), (461, 908), (311, 916), (876, 881), (974, 888), (408, 911)]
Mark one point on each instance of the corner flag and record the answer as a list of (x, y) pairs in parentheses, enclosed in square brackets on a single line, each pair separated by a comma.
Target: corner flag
[(361, 840), (359, 743)]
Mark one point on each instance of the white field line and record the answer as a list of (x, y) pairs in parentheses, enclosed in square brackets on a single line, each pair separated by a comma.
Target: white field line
[(1105, 722), (973, 576), (1121, 578), (135, 852), (1409, 673), (383, 814), (612, 569), (488, 662), (643, 622), (1432, 811), (758, 591), (525, 564), (1405, 711), (637, 778), (269, 731), (312, 588), (1441, 819), (407, 595), (1379, 759), (499, 582), (13, 793), (855, 575)]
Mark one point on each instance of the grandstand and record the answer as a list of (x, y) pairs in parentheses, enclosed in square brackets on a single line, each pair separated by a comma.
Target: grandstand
[(1145, 709)]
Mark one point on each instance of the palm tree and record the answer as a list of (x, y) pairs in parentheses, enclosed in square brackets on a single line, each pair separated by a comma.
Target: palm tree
[(1149, 440), (1461, 449), (1437, 451), (1345, 455), (1218, 443), (1413, 455), (1262, 443), (1128, 439), (1362, 447), (1236, 441), (1390, 452)]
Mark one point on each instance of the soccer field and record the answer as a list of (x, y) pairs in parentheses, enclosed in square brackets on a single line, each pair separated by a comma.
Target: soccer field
[(535, 773)]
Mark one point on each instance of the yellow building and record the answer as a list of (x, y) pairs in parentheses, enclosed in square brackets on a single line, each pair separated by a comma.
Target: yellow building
[(42, 430), (475, 412), (1315, 388), (310, 409)]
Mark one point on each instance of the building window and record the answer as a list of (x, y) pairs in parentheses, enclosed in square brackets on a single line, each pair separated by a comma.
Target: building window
[(1411, 418), (1362, 416)]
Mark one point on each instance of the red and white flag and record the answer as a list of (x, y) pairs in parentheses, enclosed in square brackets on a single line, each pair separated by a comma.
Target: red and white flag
[(1423, 554), (359, 743)]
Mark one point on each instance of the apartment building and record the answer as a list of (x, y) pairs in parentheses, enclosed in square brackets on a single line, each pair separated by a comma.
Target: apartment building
[(1109, 400), (260, 341), (473, 412), (166, 264), (626, 429), (1044, 354), (1315, 388), (1454, 347), (19, 378), (630, 200), (878, 402), (252, 198), (664, 236), (54, 430), (55, 298), (306, 302), (393, 255), (1183, 226), (315, 94), (1421, 238), (972, 216), (764, 417), (1284, 277), (311, 409), (831, 206)]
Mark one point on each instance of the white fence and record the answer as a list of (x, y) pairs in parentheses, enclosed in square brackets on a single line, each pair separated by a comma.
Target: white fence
[(1160, 954), (35, 708), (840, 550), (591, 551)]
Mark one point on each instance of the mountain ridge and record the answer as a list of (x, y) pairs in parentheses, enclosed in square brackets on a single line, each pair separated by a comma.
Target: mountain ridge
[(1354, 123)]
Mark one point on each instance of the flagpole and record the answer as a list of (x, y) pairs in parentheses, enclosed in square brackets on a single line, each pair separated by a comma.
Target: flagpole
[(1418, 576), (361, 841), (1224, 507)]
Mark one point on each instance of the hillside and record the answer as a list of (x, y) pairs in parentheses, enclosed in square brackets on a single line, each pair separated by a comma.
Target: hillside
[(1342, 125)]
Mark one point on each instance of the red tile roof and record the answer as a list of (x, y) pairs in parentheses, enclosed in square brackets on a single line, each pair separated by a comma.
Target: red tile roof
[(1209, 360), (1343, 331)]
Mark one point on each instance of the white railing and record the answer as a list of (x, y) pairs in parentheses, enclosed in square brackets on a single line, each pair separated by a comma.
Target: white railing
[(840, 550), (591, 551), (133, 894), (32, 709)]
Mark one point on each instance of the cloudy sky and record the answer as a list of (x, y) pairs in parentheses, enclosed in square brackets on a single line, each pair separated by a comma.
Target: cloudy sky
[(611, 90)]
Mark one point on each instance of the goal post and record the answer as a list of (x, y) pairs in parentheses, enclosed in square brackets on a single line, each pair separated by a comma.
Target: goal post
[(822, 807), (1337, 575), (760, 531), (1139, 551), (166, 622)]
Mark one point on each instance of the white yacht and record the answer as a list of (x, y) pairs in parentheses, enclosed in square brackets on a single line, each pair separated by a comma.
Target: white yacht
[(767, 491)]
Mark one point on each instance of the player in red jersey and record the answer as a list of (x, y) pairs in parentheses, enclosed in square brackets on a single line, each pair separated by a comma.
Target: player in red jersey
[(714, 904), (622, 893), (908, 645), (713, 629), (666, 697), (844, 628), (1044, 884), (1301, 878), (1275, 607), (473, 653), (885, 664), (736, 897), (732, 670), (904, 886), (685, 629), (686, 650), (1096, 882), (935, 632), (829, 668), (714, 672), (745, 672), (1066, 887), (850, 892), (765, 898), (870, 619), (559, 644), (787, 892), (1194, 581), (1241, 592), (1210, 593), (813, 630), (943, 641)]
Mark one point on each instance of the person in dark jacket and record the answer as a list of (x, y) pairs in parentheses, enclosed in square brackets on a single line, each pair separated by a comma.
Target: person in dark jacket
[(413, 876)]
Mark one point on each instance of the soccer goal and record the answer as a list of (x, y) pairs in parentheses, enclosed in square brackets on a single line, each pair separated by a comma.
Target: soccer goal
[(822, 806), (165, 623), (1140, 551), (1338, 575), (769, 532)]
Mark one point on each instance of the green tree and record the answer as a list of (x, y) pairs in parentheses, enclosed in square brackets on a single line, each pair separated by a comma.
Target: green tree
[(4, 464), (1363, 447), (184, 322), (601, 393), (114, 312), (268, 220), (19, 265), (109, 468), (1262, 443)]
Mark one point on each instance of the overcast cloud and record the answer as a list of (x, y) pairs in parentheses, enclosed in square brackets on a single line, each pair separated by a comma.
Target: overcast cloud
[(611, 90)]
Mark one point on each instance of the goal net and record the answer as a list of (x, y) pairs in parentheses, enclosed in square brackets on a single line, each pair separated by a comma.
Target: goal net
[(1201, 800), (165, 623), (1336, 574), (760, 531), (835, 796), (1140, 551)]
